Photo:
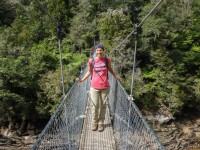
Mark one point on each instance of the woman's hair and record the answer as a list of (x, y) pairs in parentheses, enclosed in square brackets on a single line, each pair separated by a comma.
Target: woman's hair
[(99, 46)]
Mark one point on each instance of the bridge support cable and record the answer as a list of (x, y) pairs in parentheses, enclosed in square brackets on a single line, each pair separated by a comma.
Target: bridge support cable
[(134, 61), (60, 53), (113, 64), (59, 32), (139, 25), (130, 98), (43, 8)]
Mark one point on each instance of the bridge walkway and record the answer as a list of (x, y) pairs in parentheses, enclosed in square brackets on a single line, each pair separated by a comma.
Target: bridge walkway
[(91, 140)]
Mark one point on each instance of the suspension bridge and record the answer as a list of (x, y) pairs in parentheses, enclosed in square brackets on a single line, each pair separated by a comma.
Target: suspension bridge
[(70, 126), (125, 128)]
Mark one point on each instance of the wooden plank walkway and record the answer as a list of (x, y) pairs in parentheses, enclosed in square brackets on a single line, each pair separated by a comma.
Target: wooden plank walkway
[(95, 140)]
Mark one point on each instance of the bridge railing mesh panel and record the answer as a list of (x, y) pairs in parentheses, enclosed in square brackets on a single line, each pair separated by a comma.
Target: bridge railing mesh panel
[(63, 130), (131, 131)]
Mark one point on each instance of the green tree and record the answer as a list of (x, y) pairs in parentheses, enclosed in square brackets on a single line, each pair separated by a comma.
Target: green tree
[(83, 26), (7, 13), (171, 53)]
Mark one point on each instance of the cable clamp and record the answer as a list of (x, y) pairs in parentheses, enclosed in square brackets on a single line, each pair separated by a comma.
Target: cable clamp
[(130, 98)]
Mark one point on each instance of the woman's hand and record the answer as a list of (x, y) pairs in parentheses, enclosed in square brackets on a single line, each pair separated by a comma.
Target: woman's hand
[(118, 78), (79, 80)]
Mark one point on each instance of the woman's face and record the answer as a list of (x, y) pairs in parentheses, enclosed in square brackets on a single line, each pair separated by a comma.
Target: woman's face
[(99, 52)]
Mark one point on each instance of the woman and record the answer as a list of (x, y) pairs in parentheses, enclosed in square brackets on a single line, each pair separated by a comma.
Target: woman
[(98, 68)]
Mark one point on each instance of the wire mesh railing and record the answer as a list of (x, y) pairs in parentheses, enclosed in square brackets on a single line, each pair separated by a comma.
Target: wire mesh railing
[(63, 131), (131, 131)]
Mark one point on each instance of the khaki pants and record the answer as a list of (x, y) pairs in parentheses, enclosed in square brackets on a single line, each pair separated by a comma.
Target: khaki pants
[(99, 100)]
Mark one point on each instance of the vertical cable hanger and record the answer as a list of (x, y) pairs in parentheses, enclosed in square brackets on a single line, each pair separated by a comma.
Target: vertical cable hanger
[(134, 60), (59, 34), (60, 53)]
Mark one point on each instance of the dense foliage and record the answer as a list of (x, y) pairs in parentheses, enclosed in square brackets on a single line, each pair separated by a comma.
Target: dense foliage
[(167, 63)]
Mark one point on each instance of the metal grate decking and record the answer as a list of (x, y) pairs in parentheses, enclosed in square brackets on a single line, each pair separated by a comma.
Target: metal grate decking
[(94, 140)]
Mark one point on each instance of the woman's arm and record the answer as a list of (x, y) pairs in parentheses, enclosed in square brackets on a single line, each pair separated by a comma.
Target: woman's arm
[(89, 72), (112, 72)]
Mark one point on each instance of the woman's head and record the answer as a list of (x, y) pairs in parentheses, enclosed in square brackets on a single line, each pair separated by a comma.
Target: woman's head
[(99, 50), (99, 46)]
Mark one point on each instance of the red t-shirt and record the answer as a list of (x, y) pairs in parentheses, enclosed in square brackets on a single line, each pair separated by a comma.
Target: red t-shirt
[(99, 74)]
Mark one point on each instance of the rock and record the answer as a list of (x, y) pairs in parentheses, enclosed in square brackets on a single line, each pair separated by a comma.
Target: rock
[(164, 119), (5, 132), (197, 134), (186, 130), (28, 139)]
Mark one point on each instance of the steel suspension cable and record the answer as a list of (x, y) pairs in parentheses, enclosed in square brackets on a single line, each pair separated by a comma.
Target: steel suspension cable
[(137, 26), (46, 11), (58, 24), (131, 96), (133, 70)]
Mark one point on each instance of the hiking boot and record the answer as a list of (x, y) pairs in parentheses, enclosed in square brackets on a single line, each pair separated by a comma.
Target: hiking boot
[(100, 127), (94, 127)]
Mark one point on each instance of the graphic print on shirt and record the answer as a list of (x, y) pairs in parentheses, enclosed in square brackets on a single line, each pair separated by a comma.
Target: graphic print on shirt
[(99, 74), (100, 68)]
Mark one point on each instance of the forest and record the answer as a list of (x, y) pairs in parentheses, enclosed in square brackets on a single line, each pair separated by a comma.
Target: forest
[(167, 62)]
